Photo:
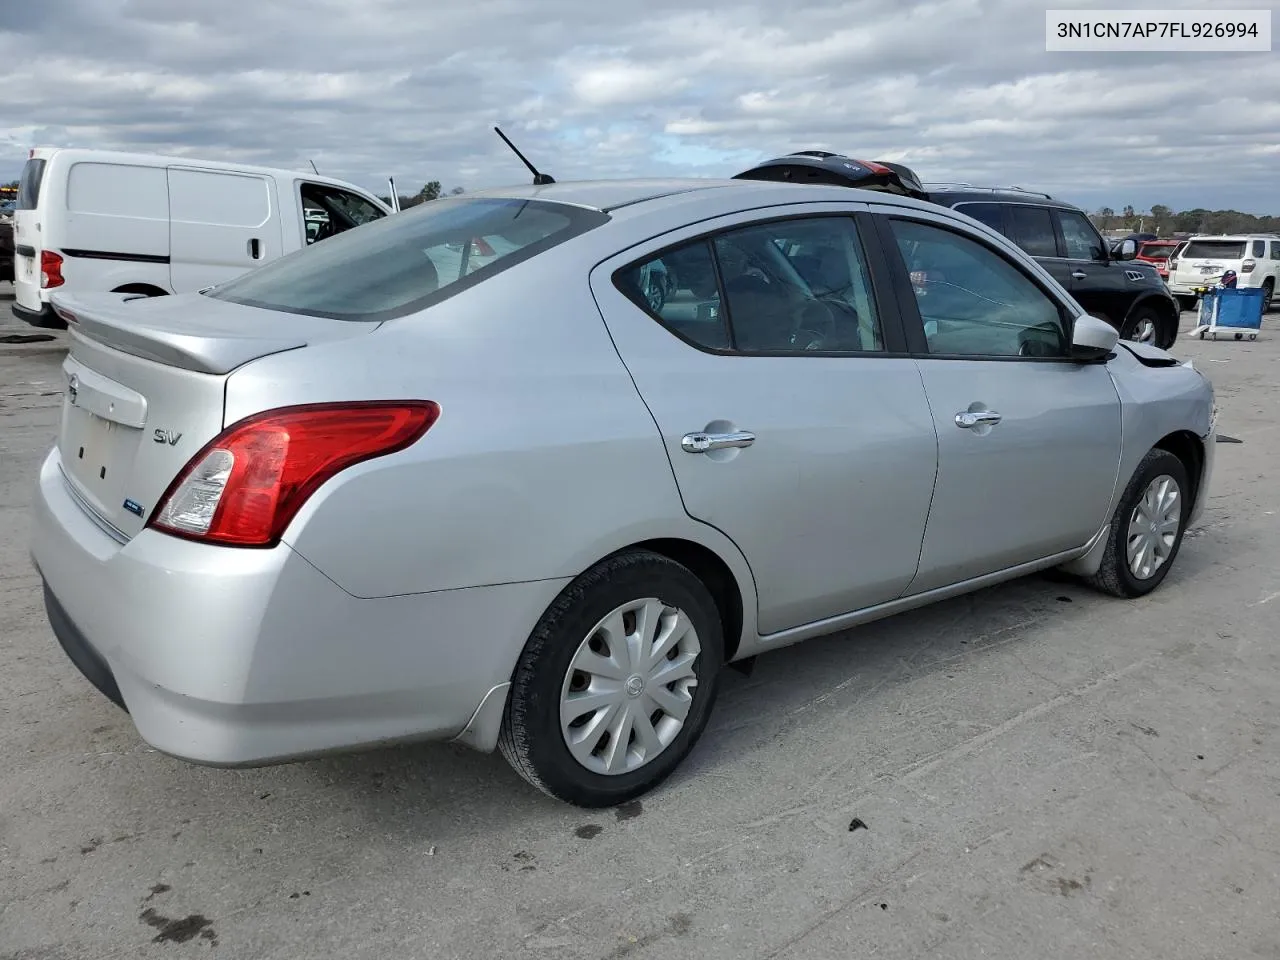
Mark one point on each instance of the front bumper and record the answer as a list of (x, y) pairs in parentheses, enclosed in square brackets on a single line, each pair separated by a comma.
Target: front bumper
[(245, 657)]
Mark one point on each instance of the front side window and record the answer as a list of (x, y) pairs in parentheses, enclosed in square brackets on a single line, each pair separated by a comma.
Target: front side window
[(973, 301), (404, 263), (327, 211), (790, 286), (1083, 241), (1031, 228)]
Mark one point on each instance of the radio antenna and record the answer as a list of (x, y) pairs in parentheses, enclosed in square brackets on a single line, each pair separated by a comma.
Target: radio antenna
[(539, 179)]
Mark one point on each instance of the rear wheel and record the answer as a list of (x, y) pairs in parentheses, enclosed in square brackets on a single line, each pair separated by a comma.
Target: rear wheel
[(1147, 527), (616, 683), (1268, 292)]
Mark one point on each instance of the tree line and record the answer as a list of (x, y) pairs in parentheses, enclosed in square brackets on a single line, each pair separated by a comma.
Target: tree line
[(431, 190), (1163, 221)]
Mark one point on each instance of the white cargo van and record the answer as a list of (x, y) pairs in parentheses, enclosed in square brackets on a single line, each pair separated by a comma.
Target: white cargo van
[(95, 220)]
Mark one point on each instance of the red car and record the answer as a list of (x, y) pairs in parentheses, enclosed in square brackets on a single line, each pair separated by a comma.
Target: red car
[(1158, 253)]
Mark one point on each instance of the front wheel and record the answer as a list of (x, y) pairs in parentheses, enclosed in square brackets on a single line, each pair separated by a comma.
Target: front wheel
[(1147, 527), (616, 683), (1144, 326)]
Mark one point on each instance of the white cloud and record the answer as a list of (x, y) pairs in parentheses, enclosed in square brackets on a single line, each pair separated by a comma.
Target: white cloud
[(960, 89)]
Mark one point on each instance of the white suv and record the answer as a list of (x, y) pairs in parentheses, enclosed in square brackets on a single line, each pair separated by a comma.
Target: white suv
[(1204, 259)]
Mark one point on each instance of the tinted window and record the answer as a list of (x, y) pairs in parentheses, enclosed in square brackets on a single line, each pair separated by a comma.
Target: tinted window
[(798, 285), (992, 214), (973, 301), (399, 264), (29, 184), (1259, 248), (1083, 241), (679, 288), (1214, 250), (1275, 249), (1031, 228)]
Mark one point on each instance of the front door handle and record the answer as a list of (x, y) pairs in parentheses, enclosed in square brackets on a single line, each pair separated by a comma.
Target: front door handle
[(1080, 275), (702, 442), (968, 419)]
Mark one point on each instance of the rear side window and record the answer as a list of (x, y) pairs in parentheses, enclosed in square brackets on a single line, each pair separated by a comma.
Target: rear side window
[(1214, 250), (1275, 249), (992, 214), (1031, 228), (29, 184), (407, 262), (1259, 248)]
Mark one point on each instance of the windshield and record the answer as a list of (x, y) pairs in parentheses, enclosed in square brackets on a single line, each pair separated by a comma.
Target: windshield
[(1213, 250), (403, 263), (1157, 250), (29, 184)]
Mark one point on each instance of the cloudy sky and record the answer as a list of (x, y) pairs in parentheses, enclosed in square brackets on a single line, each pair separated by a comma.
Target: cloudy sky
[(958, 89)]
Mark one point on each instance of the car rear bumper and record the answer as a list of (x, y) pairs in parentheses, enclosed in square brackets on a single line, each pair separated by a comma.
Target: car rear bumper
[(246, 657), (44, 317)]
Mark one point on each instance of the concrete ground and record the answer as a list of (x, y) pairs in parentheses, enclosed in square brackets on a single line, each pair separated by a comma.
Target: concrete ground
[(1042, 772)]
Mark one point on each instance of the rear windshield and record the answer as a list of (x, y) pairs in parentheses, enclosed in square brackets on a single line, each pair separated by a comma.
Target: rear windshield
[(1157, 249), (1214, 250), (29, 184), (408, 261)]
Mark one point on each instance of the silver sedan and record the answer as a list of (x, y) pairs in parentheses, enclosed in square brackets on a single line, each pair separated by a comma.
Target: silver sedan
[(372, 492)]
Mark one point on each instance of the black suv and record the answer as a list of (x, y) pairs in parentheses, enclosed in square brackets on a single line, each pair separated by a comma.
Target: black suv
[(1104, 279)]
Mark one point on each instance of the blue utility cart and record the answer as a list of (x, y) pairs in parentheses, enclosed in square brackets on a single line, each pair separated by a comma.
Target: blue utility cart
[(1233, 310)]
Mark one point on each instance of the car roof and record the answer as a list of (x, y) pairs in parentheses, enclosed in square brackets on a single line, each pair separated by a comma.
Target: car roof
[(76, 154), (1234, 236), (953, 192), (610, 196)]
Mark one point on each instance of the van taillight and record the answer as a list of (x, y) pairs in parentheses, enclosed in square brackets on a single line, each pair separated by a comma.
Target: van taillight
[(50, 269), (1247, 266), (246, 485)]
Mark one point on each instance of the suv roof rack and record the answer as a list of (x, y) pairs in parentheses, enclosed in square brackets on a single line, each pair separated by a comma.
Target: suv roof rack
[(931, 185)]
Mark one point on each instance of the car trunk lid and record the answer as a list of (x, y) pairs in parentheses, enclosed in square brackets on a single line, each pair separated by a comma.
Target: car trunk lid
[(145, 389)]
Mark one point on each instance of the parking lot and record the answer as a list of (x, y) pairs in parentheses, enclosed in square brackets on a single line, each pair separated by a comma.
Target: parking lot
[(1034, 770)]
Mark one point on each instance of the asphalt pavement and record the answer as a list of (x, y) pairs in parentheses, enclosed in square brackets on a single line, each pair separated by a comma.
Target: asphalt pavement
[(1031, 771)]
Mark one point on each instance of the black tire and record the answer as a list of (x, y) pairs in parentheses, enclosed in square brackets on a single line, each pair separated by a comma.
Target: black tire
[(531, 738), (1138, 319), (1114, 576), (1188, 303), (1268, 294)]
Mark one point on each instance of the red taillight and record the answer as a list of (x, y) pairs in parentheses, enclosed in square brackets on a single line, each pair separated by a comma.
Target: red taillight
[(50, 269), (1247, 266), (246, 485), (875, 167)]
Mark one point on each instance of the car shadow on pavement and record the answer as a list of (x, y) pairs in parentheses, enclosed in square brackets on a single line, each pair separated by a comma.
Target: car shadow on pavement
[(408, 787)]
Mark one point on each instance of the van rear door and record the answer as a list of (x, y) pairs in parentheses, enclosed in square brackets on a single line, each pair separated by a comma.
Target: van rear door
[(26, 234), (221, 224)]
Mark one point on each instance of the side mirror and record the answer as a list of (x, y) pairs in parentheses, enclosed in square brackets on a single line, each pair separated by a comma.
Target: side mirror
[(1124, 250), (1092, 339)]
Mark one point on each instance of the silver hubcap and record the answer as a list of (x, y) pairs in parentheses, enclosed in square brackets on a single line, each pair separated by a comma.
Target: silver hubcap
[(629, 687), (1145, 331), (1153, 527)]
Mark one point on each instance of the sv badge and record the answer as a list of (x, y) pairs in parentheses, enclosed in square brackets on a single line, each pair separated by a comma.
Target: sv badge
[(167, 436)]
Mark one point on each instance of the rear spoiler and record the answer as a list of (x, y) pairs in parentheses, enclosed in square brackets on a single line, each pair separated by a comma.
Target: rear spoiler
[(820, 166)]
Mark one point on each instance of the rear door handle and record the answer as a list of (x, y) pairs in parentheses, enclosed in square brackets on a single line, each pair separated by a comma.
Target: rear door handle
[(702, 442), (1080, 275), (968, 419)]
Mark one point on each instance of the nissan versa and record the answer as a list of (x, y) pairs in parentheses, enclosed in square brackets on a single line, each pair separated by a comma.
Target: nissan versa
[(374, 491)]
